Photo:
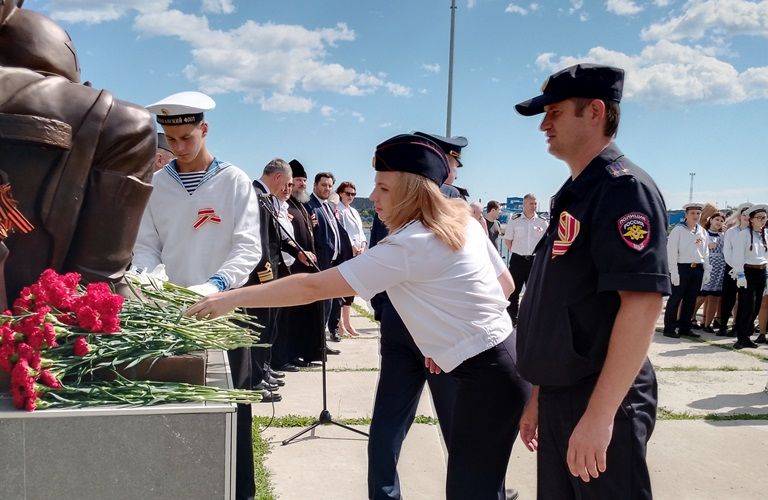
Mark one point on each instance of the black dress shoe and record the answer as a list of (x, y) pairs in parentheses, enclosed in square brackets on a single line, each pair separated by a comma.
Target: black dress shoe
[(722, 332), (690, 334), (289, 367), (300, 363), (741, 345), (265, 386), (716, 323), (708, 329), (761, 339), (328, 350), (271, 397), (671, 334), (275, 381), (276, 374), (334, 337)]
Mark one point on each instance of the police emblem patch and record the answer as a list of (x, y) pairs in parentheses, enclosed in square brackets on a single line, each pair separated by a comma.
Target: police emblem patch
[(635, 230)]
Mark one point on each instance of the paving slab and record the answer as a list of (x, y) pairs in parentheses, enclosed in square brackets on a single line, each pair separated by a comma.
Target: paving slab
[(688, 459), (356, 354), (720, 392), (667, 352), (332, 464), (350, 395)]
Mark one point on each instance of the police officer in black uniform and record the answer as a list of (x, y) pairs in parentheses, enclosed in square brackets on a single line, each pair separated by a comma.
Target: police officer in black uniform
[(594, 295), (402, 375)]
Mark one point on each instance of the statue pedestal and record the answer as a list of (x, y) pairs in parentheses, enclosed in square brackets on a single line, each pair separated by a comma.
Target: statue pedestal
[(152, 452)]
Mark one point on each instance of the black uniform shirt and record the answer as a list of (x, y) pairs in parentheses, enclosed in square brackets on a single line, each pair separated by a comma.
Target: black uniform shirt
[(607, 233)]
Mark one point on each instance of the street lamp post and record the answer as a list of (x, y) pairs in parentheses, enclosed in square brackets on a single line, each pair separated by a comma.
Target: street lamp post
[(690, 192), (450, 71)]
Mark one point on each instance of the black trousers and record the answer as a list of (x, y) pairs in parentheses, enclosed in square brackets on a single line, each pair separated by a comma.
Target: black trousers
[(727, 299), (686, 292), (401, 381), (520, 269), (750, 299), (245, 485), (489, 402), (334, 316), (626, 475), (261, 356)]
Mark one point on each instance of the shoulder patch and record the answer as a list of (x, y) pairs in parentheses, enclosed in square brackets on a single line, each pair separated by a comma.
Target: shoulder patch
[(515, 216), (635, 230), (617, 168)]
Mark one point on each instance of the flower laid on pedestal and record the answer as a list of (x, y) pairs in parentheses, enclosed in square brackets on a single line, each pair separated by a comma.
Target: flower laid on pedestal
[(60, 338)]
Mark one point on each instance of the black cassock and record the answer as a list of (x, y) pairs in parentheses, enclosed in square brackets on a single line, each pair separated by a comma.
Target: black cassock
[(301, 327)]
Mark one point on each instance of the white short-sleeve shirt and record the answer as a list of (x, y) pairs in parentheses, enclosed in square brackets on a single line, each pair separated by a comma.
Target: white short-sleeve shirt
[(450, 301)]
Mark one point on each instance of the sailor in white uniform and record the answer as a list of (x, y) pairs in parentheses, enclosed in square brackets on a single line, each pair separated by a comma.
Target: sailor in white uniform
[(202, 223), (750, 260), (688, 257), (728, 296)]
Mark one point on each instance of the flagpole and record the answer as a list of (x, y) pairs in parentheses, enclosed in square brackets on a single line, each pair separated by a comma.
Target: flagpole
[(450, 70)]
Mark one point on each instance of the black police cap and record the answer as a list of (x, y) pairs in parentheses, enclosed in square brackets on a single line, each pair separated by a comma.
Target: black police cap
[(413, 154), (581, 80), (450, 145), (297, 168)]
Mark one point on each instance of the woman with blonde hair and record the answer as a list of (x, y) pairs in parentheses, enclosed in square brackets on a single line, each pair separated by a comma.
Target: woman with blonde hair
[(449, 286)]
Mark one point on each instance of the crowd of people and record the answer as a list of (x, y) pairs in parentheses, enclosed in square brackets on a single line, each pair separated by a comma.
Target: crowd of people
[(718, 260), (447, 303)]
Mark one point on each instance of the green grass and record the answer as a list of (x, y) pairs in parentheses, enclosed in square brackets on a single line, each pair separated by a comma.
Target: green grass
[(665, 414), (705, 369), (264, 489), (302, 421), (362, 311)]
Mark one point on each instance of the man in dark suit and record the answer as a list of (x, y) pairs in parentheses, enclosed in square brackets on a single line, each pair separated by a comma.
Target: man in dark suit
[(332, 243)]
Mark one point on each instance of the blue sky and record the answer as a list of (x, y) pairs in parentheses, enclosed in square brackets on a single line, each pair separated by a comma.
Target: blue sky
[(325, 81)]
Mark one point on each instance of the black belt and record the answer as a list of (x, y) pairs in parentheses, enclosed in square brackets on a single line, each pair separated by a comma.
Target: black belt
[(526, 257)]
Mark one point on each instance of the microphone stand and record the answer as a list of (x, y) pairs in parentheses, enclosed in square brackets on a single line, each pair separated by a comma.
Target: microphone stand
[(325, 417)]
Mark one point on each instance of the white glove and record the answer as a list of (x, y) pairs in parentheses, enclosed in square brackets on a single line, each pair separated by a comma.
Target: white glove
[(204, 289), (741, 281), (705, 279), (156, 277), (733, 274), (675, 279)]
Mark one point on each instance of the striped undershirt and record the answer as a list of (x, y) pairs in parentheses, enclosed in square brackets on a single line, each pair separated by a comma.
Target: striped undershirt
[(191, 180)]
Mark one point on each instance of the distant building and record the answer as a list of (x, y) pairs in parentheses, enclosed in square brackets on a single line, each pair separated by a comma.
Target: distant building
[(514, 204), (675, 216)]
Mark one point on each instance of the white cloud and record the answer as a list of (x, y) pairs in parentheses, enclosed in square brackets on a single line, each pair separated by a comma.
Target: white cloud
[(623, 7), (495, 80), (668, 72), (471, 4), (385, 124), (327, 111), (218, 6), (282, 103), (397, 89), (714, 17), (583, 17), (661, 3), (423, 91), (359, 116), (431, 68), (576, 5), (515, 9), (534, 7), (99, 11)]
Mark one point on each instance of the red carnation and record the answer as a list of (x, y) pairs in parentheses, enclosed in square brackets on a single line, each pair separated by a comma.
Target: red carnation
[(81, 347), (49, 379)]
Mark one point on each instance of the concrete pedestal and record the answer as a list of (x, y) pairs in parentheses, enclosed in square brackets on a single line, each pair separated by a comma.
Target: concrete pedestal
[(166, 451)]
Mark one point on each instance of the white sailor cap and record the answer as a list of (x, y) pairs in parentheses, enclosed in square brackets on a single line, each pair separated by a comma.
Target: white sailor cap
[(693, 206), (757, 208), (182, 108), (742, 208)]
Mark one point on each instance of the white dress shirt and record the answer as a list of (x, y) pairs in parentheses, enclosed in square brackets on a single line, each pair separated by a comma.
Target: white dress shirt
[(353, 224), (729, 240), (287, 229), (450, 301), (687, 246), (524, 233), (743, 254)]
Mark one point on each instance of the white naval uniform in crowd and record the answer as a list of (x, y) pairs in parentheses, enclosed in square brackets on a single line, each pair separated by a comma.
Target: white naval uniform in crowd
[(750, 261), (729, 240), (210, 235), (689, 267)]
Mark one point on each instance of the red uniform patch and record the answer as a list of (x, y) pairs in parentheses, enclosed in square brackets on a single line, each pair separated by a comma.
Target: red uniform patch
[(567, 229), (635, 230), (206, 215)]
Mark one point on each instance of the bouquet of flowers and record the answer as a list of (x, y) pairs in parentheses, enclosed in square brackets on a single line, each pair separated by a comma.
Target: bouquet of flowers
[(59, 335)]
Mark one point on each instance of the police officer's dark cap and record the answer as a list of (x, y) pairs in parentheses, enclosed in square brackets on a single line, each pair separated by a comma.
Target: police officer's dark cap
[(297, 168), (581, 80), (450, 145), (413, 154)]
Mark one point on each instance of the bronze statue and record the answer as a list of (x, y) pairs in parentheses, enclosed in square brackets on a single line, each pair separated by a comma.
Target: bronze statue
[(78, 162)]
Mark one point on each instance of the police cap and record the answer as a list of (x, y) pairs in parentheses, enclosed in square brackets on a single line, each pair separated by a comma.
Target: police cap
[(581, 80), (450, 145), (413, 154)]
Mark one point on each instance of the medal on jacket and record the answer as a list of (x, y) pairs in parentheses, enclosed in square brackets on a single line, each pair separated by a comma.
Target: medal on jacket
[(567, 230), (206, 215)]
